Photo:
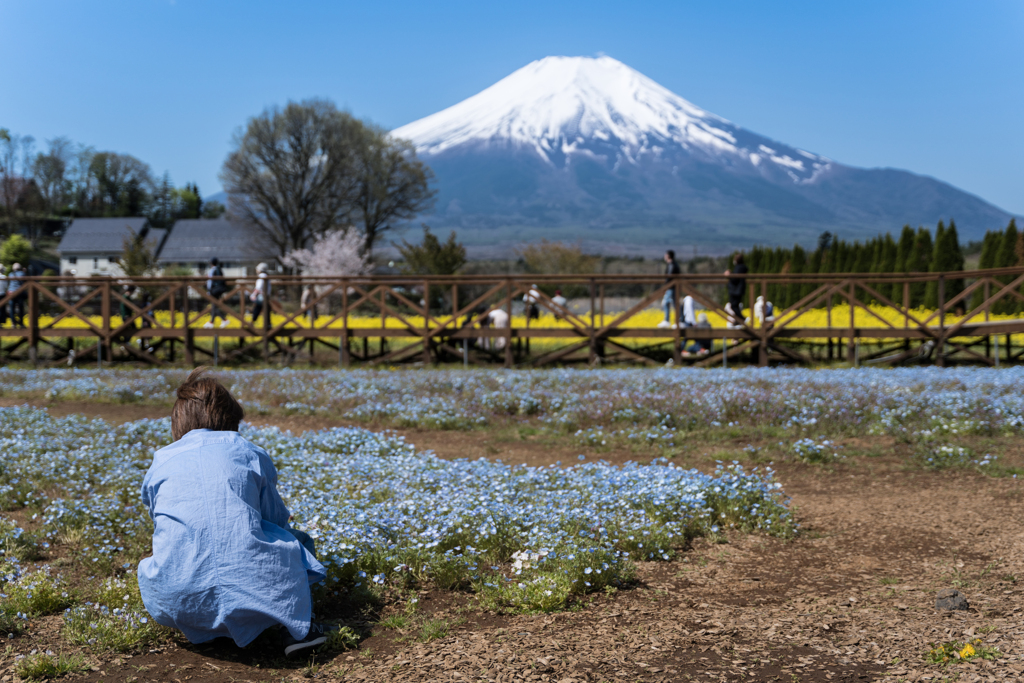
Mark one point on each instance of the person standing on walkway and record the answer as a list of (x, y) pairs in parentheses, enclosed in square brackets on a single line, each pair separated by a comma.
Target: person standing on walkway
[(3, 293), (260, 296), (736, 286), (668, 302), (216, 287), (14, 282)]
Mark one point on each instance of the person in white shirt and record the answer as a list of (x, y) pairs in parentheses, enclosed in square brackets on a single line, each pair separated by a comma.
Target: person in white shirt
[(496, 318), (559, 299), (689, 314), (261, 294), (764, 311), (530, 299)]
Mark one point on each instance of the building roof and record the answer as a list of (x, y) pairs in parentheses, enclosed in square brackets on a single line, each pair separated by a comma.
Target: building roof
[(101, 235), (197, 240), (157, 237)]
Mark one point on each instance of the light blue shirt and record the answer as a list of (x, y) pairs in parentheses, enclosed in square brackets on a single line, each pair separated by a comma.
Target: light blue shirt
[(224, 563)]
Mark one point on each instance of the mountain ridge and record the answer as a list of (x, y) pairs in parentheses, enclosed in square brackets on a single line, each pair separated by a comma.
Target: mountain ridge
[(590, 149)]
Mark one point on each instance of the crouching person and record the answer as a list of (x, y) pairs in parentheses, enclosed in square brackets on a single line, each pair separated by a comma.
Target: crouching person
[(224, 561)]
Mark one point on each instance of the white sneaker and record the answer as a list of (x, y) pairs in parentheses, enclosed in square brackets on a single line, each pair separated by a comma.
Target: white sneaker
[(664, 324), (208, 326), (224, 323)]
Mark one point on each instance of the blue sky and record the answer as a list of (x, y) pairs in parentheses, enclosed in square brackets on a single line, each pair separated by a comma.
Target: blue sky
[(933, 87)]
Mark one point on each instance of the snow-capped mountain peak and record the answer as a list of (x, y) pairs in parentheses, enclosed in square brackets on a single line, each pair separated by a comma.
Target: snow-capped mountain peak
[(558, 106)]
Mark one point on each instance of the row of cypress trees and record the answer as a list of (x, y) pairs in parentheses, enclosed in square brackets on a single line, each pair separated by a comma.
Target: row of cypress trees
[(914, 251)]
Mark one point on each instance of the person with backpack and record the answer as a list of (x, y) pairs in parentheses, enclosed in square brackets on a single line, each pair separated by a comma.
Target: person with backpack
[(216, 287)]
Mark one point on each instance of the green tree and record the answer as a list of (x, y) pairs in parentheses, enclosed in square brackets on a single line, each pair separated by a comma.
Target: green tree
[(918, 262), (989, 250), (15, 249), (546, 257), (431, 257), (138, 256), (1007, 257), (124, 185), (213, 209), (797, 266), (393, 185), (946, 257), (904, 256), (885, 262), (293, 173)]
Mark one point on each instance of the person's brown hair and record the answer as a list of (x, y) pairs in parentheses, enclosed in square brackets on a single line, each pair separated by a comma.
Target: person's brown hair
[(204, 403)]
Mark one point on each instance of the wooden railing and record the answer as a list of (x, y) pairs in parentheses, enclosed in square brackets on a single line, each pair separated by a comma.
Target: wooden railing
[(386, 320)]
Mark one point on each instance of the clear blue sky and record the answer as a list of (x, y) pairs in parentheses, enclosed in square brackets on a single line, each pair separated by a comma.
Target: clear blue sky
[(932, 86)]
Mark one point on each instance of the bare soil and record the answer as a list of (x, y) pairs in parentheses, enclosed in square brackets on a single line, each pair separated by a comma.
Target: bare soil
[(852, 598)]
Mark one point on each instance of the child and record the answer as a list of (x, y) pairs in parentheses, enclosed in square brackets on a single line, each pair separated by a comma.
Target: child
[(224, 561)]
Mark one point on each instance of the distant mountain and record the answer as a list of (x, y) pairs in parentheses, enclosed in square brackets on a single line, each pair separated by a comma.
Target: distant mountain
[(221, 197), (579, 148)]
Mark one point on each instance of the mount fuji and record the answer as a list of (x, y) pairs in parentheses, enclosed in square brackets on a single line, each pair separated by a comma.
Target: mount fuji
[(580, 148)]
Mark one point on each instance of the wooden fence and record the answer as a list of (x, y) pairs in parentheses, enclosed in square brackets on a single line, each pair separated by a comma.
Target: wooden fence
[(388, 320)]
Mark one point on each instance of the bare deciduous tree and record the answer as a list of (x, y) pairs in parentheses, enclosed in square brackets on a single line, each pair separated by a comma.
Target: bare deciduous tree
[(51, 170), (291, 174), (393, 185), (14, 174)]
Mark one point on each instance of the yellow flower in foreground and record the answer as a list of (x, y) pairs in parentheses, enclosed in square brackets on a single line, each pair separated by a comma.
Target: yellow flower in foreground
[(968, 651)]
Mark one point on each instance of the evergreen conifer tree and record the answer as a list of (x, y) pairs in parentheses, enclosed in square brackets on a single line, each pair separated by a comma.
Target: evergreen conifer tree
[(1006, 257), (797, 265), (904, 249), (989, 249), (947, 256), (886, 263), (918, 262)]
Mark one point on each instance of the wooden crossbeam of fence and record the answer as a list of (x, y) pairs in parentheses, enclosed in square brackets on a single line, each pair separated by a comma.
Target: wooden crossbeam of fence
[(433, 319)]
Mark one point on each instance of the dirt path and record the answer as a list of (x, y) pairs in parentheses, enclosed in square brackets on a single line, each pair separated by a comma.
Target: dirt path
[(851, 599)]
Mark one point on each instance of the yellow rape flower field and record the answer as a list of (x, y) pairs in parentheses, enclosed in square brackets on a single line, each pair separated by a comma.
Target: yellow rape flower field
[(645, 319)]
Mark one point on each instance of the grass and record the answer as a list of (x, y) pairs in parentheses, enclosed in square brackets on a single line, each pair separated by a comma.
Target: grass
[(432, 629), (43, 666), (396, 622), (35, 595), (889, 580), (115, 620), (345, 638)]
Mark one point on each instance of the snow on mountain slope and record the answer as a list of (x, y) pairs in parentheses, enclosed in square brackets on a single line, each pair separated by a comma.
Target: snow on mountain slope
[(561, 106)]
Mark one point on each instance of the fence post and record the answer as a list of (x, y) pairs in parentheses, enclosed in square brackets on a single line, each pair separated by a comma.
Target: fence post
[(190, 356), (996, 355), (762, 347), (988, 337), (850, 350), (677, 302), (508, 332), (105, 311), (266, 320), (343, 351), (939, 357), (426, 322), (33, 323), (593, 339)]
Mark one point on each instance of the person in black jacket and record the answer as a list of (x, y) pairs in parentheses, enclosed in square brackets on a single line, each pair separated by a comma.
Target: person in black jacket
[(736, 287), (668, 302)]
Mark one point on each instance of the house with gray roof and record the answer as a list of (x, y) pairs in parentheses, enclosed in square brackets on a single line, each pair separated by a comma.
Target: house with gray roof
[(194, 241), (91, 246)]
